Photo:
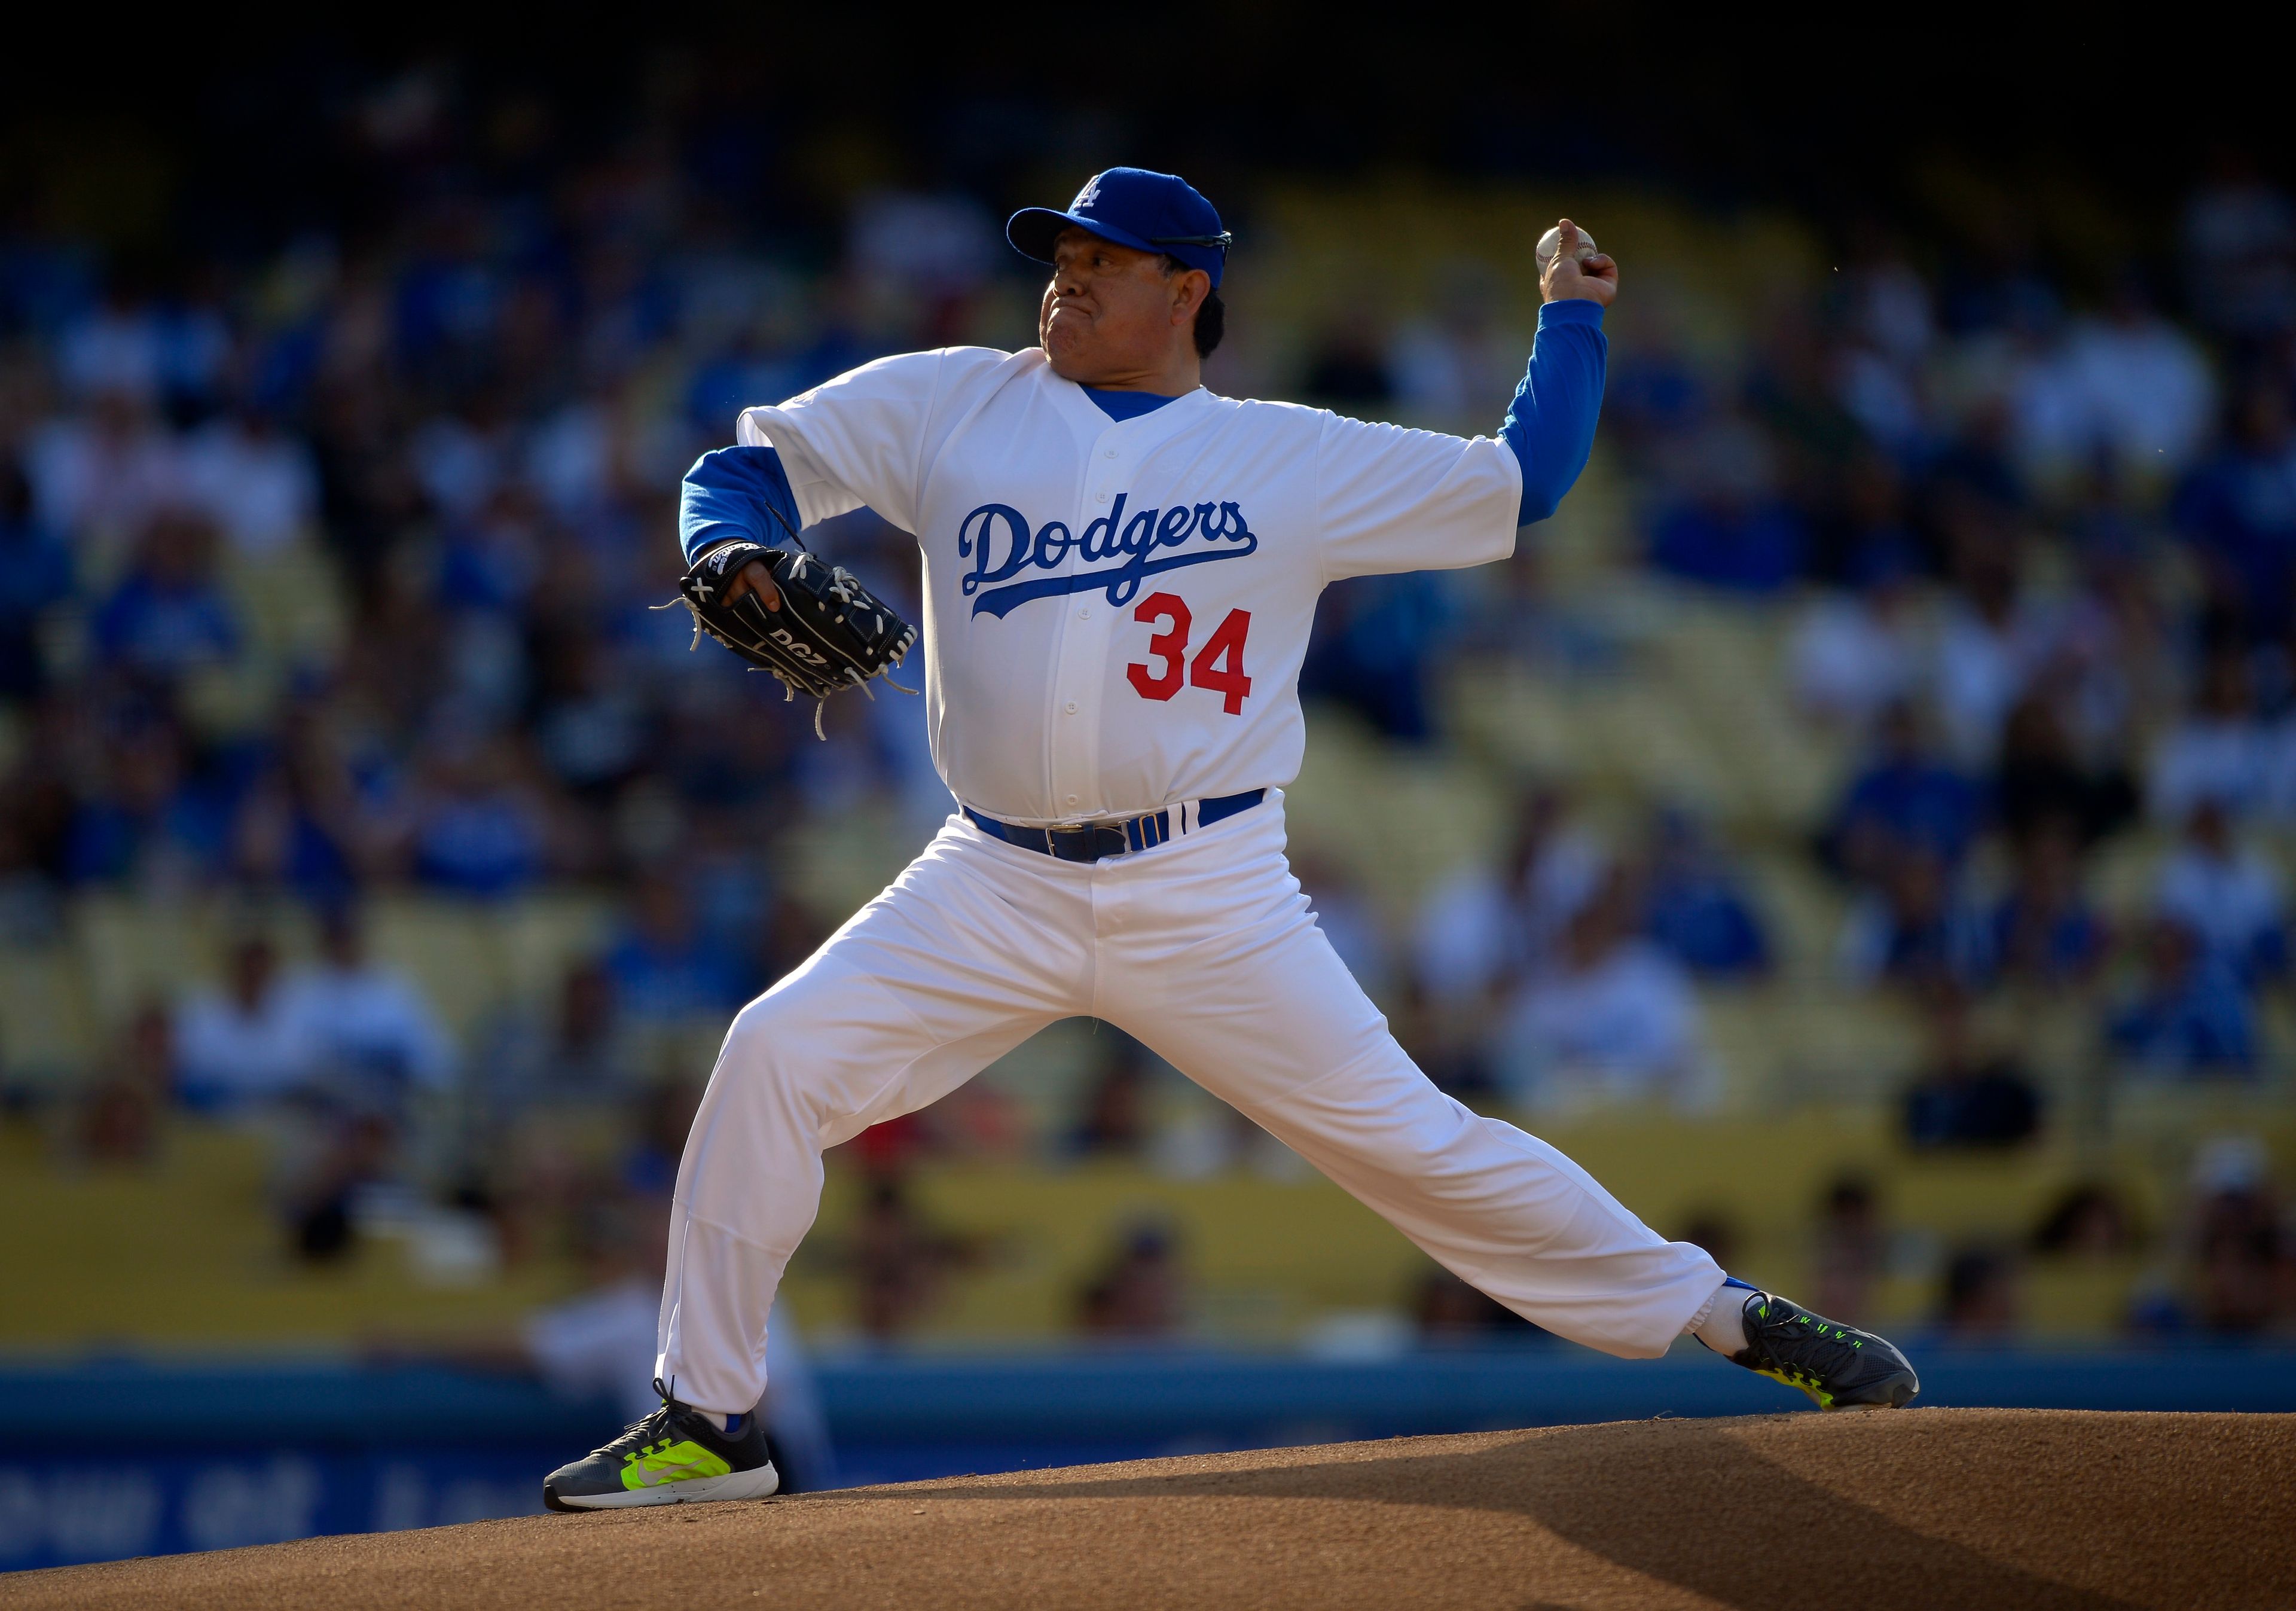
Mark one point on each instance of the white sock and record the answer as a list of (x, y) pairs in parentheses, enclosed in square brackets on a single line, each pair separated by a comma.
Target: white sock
[(1721, 1325), (713, 1418)]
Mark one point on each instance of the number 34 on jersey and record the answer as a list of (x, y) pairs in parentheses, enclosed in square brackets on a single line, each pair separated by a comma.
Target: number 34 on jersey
[(1217, 666)]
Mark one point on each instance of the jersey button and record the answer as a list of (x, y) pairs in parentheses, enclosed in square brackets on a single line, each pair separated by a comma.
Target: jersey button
[(1083, 614), (1109, 454), (1072, 800), (1070, 707)]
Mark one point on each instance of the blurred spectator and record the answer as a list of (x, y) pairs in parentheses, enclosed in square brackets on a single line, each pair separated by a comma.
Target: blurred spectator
[(665, 967), (2107, 669), (368, 1026), (1347, 368), (2045, 931), (1850, 1248), (145, 821), (899, 1261), (119, 1112), (2226, 894), (1854, 655), (253, 481), (1967, 1096), (2243, 1266), (1614, 1019), (2090, 1220), (168, 617), (2240, 235), (296, 828), (1115, 1119), (100, 477), (1139, 1293), (1450, 1313), (2041, 784), (1483, 926), (1979, 1298), (1919, 927), (245, 1045), (36, 573), (578, 1054), (1807, 434), (1986, 646), (1456, 371), (1375, 639), (478, 828), (29, 912), (661, 1117), (2141, 386), (1655, 392), (1905, 801), (1694, 909), (591, 730), (2218, 753), (2189, 1017), (2238, 510), (113, 345), (1730, 529), (350, 1156)]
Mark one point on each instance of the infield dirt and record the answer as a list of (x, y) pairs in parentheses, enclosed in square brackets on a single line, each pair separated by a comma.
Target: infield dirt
[(1949, 1508)]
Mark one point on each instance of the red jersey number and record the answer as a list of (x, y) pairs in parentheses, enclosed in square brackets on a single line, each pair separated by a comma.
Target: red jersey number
[(1220, 666), (1217, 667), (1170, 646)]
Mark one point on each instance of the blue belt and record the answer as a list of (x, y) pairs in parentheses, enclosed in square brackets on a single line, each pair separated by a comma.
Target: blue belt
[(1098, 840)]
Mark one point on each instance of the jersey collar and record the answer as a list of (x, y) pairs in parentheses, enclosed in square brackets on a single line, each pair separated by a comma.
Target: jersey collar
[(1154, 424)]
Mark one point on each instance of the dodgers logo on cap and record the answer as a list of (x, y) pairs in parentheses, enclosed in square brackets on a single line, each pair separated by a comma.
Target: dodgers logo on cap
[(1133, 207)]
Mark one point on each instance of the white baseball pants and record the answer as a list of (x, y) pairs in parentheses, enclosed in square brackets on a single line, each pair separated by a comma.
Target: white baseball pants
[(1205, 949)]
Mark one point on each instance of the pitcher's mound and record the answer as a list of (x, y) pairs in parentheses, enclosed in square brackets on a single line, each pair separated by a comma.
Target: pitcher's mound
[(1923, 1508)]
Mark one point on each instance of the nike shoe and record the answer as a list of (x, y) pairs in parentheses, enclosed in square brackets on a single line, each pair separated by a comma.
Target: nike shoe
[(673, 1456), (1840, 1366)]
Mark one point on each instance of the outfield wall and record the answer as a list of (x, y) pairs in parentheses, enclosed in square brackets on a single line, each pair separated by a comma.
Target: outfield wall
[(152, 1458)]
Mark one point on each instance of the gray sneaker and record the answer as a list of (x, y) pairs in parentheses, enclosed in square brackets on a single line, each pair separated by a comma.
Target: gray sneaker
[(673, 1456), (1840, 1366)]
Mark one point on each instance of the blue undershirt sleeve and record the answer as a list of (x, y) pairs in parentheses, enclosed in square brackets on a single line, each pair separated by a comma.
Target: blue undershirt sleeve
[(1551, 424), (735, 492)]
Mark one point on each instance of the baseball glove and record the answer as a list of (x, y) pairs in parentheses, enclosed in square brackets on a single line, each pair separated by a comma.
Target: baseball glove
[(830, 634)]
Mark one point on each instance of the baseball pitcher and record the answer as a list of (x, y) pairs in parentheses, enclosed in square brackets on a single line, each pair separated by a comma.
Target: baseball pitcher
[(1121, 570)]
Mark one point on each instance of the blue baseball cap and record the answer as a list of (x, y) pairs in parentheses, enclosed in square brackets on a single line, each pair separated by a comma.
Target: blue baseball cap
[(1132, 207)]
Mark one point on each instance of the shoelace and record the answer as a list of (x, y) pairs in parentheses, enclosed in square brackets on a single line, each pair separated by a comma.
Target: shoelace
[(1794, 1343), (641, 1432), (647, 1428)]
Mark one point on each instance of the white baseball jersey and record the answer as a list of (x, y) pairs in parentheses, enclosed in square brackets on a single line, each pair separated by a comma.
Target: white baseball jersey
[(1116, 610)]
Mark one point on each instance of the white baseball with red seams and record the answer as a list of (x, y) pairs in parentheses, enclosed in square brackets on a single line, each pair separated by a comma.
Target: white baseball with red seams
[(1115, 618)]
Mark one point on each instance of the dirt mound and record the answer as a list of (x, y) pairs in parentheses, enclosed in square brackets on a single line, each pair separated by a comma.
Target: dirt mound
[(1921, 1509)]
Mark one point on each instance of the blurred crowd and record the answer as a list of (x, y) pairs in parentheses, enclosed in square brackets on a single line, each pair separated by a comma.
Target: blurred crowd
[(2035, 546), (326, 575)]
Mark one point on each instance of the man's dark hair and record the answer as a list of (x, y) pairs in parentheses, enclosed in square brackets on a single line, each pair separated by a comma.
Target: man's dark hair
[(1212, 315)]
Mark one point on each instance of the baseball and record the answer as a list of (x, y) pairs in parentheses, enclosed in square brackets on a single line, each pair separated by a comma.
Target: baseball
[(1551, 243)]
